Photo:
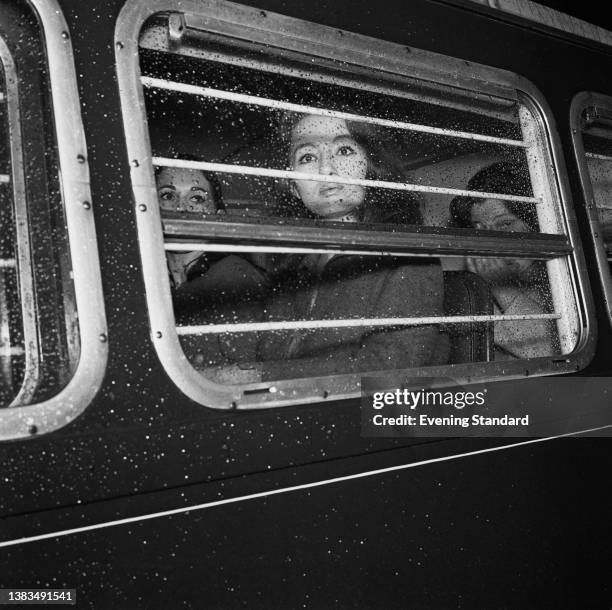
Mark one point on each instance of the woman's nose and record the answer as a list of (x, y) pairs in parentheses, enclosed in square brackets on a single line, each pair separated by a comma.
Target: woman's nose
[(186, 202), (327, 164)]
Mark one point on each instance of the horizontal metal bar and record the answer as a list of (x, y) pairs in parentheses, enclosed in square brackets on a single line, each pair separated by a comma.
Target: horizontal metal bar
[(7, 263), (252, 100), (193, 246), (247, 170), (589, 155), (11, 352), (368, 322), (343, 237)]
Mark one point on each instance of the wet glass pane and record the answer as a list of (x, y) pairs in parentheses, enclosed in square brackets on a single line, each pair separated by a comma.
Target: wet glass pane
[(597, 139), (304, 315), (346, 313), (409, 157), (39, 334), (12, 347)]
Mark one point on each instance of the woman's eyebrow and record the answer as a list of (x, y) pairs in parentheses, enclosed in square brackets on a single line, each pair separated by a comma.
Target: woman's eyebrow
[(344, 136), (302, 143), (167, 186), (310, 141)]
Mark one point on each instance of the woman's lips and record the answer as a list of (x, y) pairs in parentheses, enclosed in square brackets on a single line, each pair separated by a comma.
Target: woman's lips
[(331, 190)]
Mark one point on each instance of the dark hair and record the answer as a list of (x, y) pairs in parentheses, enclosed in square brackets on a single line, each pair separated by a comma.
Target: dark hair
[(212, 178), (502, 177), (395, 206)]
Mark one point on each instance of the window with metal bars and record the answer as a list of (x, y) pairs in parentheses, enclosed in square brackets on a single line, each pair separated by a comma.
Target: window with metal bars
[(592, 133), (330, 214)]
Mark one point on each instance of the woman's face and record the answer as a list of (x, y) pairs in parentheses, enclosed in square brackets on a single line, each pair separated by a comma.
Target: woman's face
[(185, 190), (324, 145), (493, 215)]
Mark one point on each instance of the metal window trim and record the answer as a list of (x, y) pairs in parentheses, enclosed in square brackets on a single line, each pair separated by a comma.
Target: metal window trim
[(364, 52), (73, 399), (548, 17), (23, 262), (435, 241), (545, 185), (580, 103), (343, 47), (150, 39)]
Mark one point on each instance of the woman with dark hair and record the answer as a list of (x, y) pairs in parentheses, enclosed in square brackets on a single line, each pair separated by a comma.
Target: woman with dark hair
[(376, 163), (200, 280), (497, 178), (328, 286), (191, 191), (518, 285)]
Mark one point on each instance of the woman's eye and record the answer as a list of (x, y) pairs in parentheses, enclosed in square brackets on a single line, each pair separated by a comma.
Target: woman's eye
[(306, 158), (198, 198), (166, 195), (346, 150)]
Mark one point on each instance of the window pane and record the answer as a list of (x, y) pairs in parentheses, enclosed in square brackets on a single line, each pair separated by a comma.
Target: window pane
[(597, 140), (400, 159), (39, 341), (12, 349), (304, 315)]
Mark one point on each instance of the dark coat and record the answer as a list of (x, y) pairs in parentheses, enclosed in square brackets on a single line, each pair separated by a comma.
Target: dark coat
[(356, 287), (348, 286)]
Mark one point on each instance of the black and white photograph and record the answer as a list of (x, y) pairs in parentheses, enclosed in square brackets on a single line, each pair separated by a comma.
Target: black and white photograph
[(305, 305)]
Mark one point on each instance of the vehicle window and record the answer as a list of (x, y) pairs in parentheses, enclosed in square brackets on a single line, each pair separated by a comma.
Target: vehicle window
[(597, 140), (41, 340), (592, 117), (599, 164), (323, 220)]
